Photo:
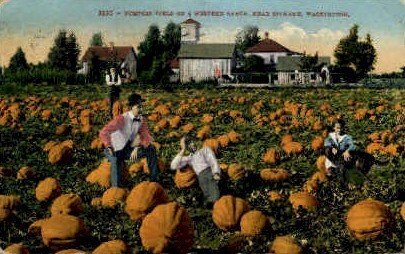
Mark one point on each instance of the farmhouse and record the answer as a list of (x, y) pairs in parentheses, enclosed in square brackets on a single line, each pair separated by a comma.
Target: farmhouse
[(289, 71), (269, 50), (123, 56), (199, 62)]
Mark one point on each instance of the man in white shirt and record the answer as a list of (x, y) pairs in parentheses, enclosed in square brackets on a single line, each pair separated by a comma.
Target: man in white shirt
[(204, 164), (113, 80)]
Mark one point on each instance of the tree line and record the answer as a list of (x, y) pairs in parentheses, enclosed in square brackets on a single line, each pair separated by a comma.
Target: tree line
[(354, 57)]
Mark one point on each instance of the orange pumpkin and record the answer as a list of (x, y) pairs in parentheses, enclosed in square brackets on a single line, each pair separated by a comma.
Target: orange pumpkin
[(275, 195), (67, 204), (61, 153), (271, 156), (48, 189), (203, 132), (62, 231), (112, 247), (304, 200), (285, 245), (167, 228), (368, 219), (228, 211), (25, 173), (317, 143), (16, 248), (223, 140), (185, 178), (253, 223), (212, 143), (402, 212), (274, 175), (7, 205), (143, 198), (236, 171), (113, 196)]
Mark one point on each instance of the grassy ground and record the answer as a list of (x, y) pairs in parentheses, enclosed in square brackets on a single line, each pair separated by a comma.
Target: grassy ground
[(321, 231)]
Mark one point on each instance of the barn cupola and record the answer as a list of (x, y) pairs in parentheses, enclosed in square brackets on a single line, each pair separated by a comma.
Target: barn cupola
[(190, 31)]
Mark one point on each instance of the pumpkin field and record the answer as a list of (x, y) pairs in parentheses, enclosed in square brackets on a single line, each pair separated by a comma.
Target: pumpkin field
[(55, 194)]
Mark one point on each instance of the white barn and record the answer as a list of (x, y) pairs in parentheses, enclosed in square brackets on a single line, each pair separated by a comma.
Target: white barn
[(200, 62)]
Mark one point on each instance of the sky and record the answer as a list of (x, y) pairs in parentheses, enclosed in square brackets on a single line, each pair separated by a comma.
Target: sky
[(34, 24)]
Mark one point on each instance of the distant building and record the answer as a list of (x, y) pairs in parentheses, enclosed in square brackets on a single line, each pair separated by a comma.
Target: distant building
[(289, 71), (124, 57), (190, 31), (269, 50), (202, 61), (199, 62)]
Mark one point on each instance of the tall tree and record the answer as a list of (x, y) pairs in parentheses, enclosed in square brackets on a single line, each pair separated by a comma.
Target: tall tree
[(150, 48), (247, 38), (352, 53), (171, 41), (65, 51), (308, 62), (18, 62), (253, 63), (97, 40)]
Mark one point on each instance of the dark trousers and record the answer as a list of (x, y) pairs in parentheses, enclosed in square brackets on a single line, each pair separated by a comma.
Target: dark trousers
[(117, 161), (114, 96), (208, 185)]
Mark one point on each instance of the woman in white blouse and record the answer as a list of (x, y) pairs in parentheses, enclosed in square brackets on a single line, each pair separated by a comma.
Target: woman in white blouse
[(204, 164)]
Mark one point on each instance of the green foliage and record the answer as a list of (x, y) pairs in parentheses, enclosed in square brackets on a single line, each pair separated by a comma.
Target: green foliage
[(356, 54), (149, 49), (65, 52), (309, 63), (97, 40), (253, 63), (171, 40), (246, 38), (18, 62)]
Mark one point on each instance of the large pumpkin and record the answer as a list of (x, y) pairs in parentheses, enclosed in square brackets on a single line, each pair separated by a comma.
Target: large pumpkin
[(402, 212), (7, 205), (67, 204), (228, 211), (113, 196), (143, 198), (368, 219), (271, 156), (185, 178), (253, 223), (168, 228), (304, 200), (48, 189), (285, 245), (274, 175), (62, 231), (100, 175), (16, 248), (236, 171), (70, 251), (61, 153), (112, 247)]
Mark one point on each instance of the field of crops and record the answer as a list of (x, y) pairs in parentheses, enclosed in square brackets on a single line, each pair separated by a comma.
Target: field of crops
[(54, 136)]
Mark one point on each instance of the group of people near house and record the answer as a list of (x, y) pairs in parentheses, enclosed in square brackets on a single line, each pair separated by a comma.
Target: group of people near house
[(127, 137)]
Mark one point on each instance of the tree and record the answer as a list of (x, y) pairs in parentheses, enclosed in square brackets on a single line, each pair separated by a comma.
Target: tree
[(150, 48), (403, 71), (356, 54), (171, 41), (309, 63), (247, 38), (96, 40), (65, 52), (253, 63), (18, 62)]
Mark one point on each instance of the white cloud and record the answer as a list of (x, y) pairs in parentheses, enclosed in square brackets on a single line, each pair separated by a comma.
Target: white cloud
[(403, 2)]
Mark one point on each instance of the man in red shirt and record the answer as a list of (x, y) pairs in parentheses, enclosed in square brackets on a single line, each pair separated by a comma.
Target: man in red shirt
[(118, 136)]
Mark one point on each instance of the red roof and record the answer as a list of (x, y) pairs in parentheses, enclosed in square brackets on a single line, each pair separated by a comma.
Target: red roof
[(268, 45), (108, 53), (174, 63), (191, 21)]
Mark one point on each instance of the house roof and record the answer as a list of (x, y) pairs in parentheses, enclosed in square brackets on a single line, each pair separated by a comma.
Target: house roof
[(207, 50), (190, 21), (268, 45), (292, 63), (108, 53)]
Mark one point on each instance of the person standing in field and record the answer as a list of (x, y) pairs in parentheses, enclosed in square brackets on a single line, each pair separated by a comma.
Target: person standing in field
[(113, 81), (119, 137), (204, 164)]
